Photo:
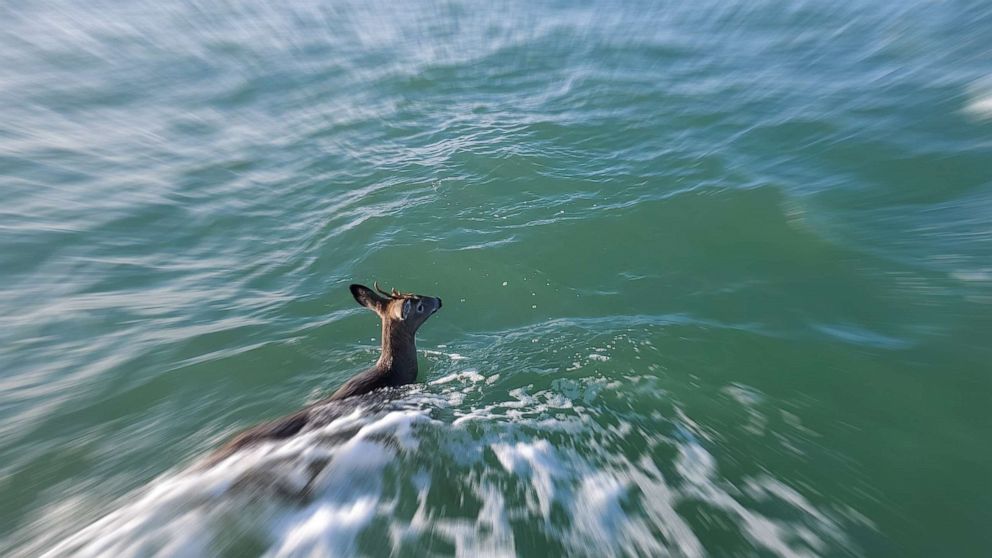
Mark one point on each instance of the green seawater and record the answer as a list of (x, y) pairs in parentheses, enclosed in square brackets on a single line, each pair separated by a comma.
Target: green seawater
[(717, 276)]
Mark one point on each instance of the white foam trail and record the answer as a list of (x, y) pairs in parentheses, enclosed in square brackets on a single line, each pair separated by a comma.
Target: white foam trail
[(178, 515), (488, 535), (537, 461), (598, 513), (568, 466), (470, 375), (324, 529), (452, 356)]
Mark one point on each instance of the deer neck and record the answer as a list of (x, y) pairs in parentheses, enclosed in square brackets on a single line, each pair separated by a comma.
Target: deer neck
[(398, 361)]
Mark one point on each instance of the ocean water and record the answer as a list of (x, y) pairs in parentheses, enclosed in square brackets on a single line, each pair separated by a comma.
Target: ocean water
[(717, 276)]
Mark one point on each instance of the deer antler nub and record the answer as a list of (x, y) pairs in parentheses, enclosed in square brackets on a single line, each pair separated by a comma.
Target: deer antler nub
[(382, 292), (393, 294)]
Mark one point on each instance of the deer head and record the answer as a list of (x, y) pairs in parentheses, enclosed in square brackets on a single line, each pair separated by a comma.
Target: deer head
[(401, 311)]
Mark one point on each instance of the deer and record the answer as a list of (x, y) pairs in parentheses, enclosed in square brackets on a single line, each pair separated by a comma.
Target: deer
[(402, 314)]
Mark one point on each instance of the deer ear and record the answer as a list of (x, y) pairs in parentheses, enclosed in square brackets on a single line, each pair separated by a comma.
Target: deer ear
[(367, 297)]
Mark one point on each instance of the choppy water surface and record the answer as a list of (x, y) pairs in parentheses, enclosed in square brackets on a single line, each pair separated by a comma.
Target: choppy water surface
[(717, 276)]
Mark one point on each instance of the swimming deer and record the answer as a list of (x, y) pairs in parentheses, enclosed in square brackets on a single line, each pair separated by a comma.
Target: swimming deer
[(402, 314)]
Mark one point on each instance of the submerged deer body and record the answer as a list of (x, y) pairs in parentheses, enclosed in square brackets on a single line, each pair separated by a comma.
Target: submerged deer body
[(402, 314)]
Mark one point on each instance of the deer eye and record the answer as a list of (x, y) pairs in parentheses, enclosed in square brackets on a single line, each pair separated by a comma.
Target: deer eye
[(420, 307)]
